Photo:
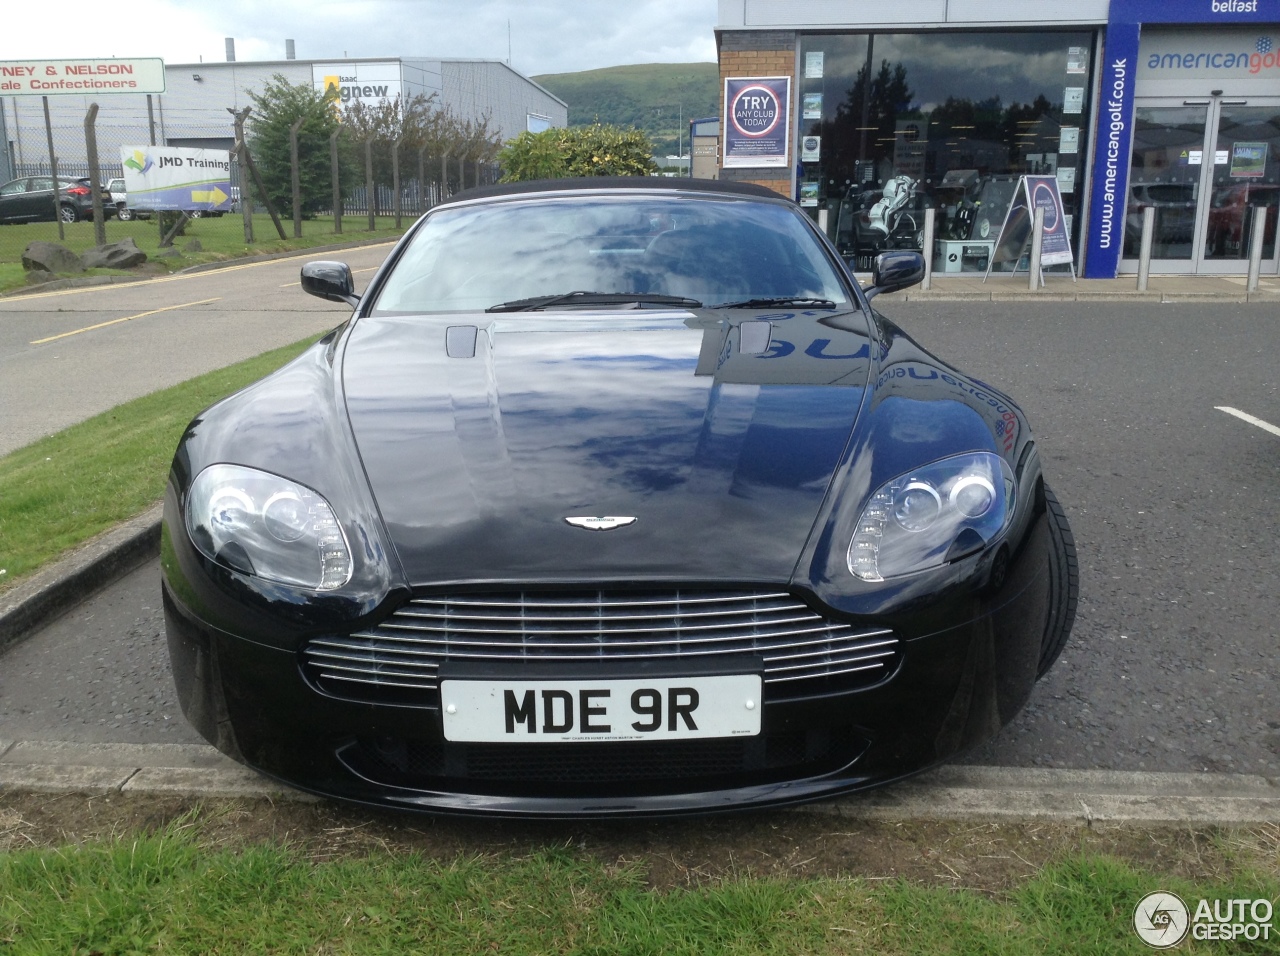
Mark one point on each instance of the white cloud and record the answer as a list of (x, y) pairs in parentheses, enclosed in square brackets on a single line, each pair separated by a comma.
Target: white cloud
[(545, 36)]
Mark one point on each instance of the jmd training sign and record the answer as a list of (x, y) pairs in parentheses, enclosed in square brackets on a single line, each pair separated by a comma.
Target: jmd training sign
[(176, 178)]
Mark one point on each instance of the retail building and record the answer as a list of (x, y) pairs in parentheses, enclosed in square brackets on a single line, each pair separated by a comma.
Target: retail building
[(885, 110)]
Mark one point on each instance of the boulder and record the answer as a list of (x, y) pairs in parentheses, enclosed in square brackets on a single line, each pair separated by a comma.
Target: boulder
[(50, 257), (114, 255), (193, 246)]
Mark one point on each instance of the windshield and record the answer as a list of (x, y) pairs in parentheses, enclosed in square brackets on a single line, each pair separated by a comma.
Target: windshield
[(712, 251)]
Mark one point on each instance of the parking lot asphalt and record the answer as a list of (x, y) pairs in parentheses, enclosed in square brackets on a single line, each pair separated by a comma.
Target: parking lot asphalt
[(1170, 672)]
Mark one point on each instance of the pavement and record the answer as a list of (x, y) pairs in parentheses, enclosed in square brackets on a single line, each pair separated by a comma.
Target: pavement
[(949, 792)]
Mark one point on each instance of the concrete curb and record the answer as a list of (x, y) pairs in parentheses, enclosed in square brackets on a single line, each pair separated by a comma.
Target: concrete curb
[(59, 587), (948, 793)]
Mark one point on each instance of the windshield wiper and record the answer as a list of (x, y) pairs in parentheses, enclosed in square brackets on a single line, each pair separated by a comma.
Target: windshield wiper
[(593, 298), (779, 302)]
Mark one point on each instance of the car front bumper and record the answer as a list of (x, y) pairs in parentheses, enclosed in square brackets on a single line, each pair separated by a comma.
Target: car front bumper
[(953, 689)]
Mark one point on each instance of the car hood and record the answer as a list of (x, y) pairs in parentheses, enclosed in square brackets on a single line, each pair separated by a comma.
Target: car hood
[(717, 432)]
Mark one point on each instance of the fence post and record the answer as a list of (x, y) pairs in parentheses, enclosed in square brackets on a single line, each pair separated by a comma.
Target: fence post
[(372, 197), (422, 180), (53, 171), (444, 175), (395, 180), (337, 185), (295, 176), (95, 174), (151, 120), (246, 203), (257, 177)]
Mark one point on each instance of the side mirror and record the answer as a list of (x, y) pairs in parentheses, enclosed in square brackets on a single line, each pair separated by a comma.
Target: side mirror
[(331, 281), (895, 270)]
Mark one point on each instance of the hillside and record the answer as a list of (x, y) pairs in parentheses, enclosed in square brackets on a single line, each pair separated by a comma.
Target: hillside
[(648, 96)]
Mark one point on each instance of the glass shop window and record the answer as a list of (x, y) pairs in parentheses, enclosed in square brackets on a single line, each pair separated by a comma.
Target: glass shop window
[(891, 124)]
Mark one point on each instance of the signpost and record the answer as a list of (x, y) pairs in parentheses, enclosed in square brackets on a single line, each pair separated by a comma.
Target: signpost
[(1034, 193)]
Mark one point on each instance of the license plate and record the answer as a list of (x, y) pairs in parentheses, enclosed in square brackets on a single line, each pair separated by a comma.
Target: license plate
[(489, 711)]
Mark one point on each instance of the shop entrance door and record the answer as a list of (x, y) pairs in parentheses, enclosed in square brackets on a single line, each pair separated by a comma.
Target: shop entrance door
[(1208, 167)]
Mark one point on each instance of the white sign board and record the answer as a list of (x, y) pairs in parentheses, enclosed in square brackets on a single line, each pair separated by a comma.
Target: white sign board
[(173, 177), (367, 83), (82, 77)]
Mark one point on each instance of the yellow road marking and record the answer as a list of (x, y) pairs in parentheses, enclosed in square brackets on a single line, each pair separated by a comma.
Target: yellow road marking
[(353, 272), (101, 325), (175, 278)]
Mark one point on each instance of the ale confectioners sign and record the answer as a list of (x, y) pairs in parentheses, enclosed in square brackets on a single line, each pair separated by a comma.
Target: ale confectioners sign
[(82, 77)]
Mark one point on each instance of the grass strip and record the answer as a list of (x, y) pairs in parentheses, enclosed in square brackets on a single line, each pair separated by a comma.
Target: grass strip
[(166, 892), (220, 239), (60, 491)]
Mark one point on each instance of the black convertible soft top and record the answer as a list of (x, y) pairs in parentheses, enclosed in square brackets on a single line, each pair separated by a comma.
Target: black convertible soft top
[(683, 183)]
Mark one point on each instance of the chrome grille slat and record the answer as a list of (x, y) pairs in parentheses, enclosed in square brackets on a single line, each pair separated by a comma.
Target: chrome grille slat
[(535, 630), (587, 617), (534, 602), (834, 673), (797, 644), (411, 644)]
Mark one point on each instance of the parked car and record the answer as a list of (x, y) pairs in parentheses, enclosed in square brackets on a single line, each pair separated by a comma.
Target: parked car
[(612, 497), (1231, 215), (120, 199), (30, 199)]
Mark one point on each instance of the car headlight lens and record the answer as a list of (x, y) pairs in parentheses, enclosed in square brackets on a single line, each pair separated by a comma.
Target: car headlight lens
[(259, 523), (932, 515)]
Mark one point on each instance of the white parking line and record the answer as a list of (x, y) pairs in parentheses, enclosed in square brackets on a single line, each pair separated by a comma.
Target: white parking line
[(1245, 417), (127, 318)]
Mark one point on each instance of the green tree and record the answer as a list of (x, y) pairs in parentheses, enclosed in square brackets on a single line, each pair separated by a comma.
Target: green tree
[(559, 152), (276, 108)]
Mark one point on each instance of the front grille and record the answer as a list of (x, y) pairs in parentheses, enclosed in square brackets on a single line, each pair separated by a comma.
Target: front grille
[(603, 769), (397, 661)]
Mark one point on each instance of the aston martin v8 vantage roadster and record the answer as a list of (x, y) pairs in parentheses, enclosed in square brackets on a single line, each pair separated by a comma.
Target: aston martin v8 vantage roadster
[(611, 497)]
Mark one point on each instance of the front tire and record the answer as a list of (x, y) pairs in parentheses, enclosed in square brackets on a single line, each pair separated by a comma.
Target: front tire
[(1064, 584), (124, 214)]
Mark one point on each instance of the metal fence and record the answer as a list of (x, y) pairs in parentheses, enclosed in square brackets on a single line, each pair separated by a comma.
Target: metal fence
[(373, 197)]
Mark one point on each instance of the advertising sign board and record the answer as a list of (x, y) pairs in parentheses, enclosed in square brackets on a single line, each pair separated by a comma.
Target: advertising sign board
[(177, 178), (1034, 192), (757, 121), (81, 77), (369, 83)]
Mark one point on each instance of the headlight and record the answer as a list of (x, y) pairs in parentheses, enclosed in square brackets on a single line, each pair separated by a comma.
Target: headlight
[(932, 515), (261, 524)]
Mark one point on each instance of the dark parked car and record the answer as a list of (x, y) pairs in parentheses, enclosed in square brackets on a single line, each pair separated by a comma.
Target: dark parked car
[(30, 199), (612, 497)]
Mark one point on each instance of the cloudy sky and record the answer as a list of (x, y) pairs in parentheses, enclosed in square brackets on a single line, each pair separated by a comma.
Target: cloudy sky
[(546, 36)]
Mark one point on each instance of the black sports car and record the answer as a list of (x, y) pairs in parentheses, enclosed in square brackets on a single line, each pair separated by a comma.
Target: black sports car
[(611, 497)]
